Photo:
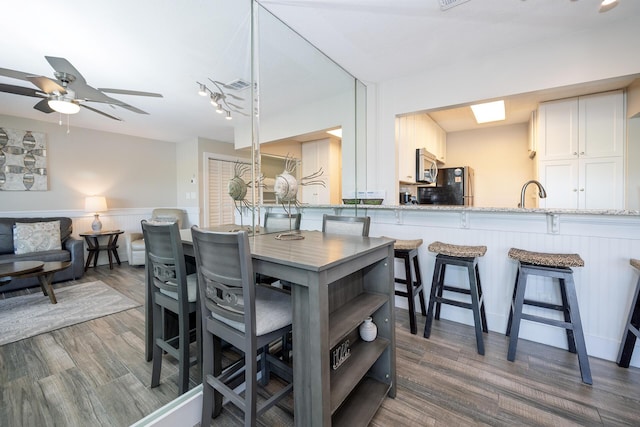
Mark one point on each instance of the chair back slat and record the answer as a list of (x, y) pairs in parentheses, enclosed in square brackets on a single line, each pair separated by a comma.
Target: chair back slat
[(224, 267), (348, 225), (278, 221), (165, 257)]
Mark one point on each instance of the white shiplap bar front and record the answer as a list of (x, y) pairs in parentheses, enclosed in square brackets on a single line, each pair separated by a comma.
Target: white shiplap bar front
[(606, 240)]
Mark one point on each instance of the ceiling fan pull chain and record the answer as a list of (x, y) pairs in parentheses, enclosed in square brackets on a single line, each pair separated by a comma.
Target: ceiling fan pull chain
[(59, 119), (68, 131)]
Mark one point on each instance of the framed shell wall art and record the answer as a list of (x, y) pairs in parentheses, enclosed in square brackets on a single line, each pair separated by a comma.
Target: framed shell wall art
[(23, 160)]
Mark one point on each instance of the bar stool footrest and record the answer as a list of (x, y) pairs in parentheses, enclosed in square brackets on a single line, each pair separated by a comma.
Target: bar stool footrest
[(541, 304), (548, 321), (457, 303)]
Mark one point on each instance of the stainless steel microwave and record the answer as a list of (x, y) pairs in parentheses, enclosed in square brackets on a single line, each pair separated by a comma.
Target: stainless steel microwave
[(426, 167)]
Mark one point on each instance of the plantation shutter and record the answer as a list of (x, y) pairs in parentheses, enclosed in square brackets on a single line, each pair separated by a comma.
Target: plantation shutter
[(221, 206)]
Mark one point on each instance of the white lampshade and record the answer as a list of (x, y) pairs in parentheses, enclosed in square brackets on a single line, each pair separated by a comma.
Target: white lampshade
[(95, 204), (64, 107)]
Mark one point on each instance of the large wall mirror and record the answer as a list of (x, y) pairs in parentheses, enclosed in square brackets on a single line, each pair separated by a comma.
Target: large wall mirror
[(300, 95)]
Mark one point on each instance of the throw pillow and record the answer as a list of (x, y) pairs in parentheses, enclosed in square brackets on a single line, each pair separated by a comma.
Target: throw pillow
[(36, 237)]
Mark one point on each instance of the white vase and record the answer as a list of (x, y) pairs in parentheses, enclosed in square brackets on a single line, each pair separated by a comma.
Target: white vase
[(368, 330)]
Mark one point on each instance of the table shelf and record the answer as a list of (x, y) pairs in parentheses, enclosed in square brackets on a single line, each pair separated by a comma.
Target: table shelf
[(345, 379), (351, 315)]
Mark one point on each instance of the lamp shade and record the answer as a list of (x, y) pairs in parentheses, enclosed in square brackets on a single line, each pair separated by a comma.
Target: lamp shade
[(95, 204)]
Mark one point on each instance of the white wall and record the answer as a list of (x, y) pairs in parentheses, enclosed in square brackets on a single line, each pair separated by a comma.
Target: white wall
[(130, 172), (583, 57), (500, 161)]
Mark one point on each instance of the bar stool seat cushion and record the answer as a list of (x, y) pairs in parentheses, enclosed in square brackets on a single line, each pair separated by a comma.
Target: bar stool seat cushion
[(546, 259), (635, 263), (457, 250), (405, 245)]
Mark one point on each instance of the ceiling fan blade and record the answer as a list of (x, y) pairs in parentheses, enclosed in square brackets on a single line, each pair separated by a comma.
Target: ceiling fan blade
[(100, 112), (47, 85), (130, 92), (19, 90), (44, 106), (14, 74), (61, 65), (130, 107), (88, 93)]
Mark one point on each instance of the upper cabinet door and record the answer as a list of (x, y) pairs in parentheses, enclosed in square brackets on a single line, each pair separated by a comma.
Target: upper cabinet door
[(558, 129), (601, 125), (406, 136)]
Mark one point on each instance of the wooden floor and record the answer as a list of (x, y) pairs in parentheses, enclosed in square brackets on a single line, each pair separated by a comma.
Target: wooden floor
[(94, 374)]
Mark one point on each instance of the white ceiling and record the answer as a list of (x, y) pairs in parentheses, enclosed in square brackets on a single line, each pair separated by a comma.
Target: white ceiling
[(165, 46)]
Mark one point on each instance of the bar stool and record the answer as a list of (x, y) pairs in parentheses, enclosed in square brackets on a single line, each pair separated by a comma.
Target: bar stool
[(463, 256), (407, 251), (633, 324), (556, 266)]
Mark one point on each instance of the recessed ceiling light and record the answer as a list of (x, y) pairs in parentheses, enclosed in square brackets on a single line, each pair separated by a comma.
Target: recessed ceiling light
[(489, 111)]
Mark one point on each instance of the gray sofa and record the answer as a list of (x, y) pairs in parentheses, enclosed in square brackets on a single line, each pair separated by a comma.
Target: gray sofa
[(72, 250)]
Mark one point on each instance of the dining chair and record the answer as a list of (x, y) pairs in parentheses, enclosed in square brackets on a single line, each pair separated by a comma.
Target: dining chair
[(281, 221), (172, 291), (351, 225), (243, 314)]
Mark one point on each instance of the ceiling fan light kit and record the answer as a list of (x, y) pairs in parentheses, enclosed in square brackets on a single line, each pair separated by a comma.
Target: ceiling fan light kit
[(68, 92), (63, 106)]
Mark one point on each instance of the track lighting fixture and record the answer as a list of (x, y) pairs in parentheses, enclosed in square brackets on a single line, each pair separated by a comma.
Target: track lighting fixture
[(219, 99)]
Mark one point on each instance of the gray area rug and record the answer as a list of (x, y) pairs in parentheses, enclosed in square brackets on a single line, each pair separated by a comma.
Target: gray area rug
[(29, 315)]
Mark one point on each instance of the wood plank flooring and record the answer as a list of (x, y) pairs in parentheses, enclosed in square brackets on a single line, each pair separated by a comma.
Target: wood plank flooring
[(94, 374)]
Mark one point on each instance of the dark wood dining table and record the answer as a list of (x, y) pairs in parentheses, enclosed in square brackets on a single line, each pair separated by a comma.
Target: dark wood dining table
[(337, 282), (44, 271)]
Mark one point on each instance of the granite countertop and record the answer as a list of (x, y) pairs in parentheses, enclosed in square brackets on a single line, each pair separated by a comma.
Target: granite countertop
[(428, 208)]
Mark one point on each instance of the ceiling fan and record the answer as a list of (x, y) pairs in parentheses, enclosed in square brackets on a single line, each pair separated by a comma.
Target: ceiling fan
[(68, 92)]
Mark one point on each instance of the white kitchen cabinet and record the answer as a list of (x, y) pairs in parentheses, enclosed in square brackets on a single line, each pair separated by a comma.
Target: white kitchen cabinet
[(581, 152), (601, 125), (586, 126), (435, 138), (325, 154), (406, 137), (413, 132), (583, 184)]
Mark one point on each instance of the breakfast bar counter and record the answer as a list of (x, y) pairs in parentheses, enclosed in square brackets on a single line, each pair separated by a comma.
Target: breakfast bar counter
[(605, 239)]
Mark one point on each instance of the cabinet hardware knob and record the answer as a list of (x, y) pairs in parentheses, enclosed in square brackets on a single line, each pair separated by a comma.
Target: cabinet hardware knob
[(582, 189), (575, 153), (582, 153), (575, 189)]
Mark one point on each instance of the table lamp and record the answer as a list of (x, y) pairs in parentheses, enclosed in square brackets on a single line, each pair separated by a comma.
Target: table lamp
[(95, 204)]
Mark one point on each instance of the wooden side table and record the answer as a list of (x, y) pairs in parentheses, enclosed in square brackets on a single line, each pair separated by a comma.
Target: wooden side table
[(94, 247)]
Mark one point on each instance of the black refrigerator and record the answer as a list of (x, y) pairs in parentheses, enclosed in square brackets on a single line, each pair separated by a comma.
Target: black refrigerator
[(454, 186)]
